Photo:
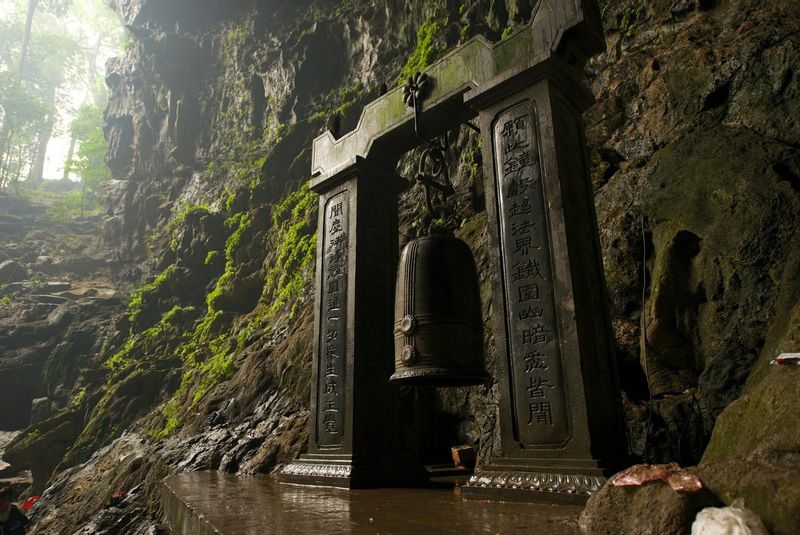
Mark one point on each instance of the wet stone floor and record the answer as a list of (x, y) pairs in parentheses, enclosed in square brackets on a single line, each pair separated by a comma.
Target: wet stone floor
[(211, 502)]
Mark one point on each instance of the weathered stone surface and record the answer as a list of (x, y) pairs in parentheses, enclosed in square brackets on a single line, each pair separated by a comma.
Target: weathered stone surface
[(40, 410), (683, 185), (12, 271), (754, 452), (42, 451), (651, 508), (20, 383)]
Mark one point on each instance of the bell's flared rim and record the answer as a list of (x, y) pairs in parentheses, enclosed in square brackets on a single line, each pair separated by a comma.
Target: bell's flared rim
[(439, 377)]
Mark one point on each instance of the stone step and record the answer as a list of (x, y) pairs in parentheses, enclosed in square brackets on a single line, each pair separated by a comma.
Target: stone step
[(204, 503)]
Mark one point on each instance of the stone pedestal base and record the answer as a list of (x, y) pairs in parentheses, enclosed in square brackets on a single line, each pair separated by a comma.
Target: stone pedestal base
[(347, 473), (562, 487)]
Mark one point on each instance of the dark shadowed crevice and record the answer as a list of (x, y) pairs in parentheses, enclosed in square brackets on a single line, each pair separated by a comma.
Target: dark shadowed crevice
[(259, 96), (718, 97), (787, 172)]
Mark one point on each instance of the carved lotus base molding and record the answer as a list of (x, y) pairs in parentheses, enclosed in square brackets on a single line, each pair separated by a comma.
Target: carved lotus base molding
[(565, 488), (321, 470), (347, 473)]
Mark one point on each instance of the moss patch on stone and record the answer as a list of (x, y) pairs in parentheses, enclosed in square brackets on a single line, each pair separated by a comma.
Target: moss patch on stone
[(428, 46), (296, 238), (139, 347), (211, 351), (754, 452), (140, 296)]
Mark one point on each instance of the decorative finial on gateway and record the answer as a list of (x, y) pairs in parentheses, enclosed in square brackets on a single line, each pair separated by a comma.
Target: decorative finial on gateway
[(415, 88)]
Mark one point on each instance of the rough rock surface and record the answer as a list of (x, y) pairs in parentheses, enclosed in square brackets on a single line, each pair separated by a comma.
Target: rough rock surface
[(754, 453), (651, 508), (213, 107), (45, 302)]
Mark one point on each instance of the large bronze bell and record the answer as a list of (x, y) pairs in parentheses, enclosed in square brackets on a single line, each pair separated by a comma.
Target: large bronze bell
[(438, 334)]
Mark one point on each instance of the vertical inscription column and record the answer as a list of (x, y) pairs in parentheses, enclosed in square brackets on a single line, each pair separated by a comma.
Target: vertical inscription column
[(534, 356), (331, 380), (352, 440), (560, 420)]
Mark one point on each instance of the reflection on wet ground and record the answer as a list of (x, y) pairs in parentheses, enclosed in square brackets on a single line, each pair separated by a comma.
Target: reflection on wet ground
[(212, 502)]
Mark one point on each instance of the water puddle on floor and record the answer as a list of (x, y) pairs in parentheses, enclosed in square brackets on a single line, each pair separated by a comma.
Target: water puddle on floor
[(244, 505)]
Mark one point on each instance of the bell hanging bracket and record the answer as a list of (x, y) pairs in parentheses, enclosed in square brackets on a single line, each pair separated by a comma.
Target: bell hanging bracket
[(432, 164)]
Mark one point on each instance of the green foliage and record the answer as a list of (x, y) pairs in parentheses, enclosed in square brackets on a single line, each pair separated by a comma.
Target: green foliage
[(28, 97), (210, 351), (188, 209), (470, 158), (168, 330), (170, 426), (219, 367), (292, 220), (242, 161), (238, 224), (338, 102), (137, 301), (428, 48), (78, 398), (20, 105), (627, 21), (89, 161), (69, 205), (67, 44), (208, 357), (22, 111)]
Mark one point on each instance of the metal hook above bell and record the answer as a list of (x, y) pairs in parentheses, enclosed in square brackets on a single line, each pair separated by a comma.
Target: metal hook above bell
[(438, 328)]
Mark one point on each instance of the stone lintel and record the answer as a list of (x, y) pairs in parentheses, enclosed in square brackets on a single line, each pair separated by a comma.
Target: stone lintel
[(569, 29), (371, 175), (553, 69)]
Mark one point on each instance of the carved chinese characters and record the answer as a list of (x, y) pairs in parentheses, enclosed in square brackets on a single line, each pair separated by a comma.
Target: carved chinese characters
[(333, 331), (537, 385)]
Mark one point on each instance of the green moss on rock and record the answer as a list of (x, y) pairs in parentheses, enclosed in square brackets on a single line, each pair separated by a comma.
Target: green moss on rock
[(141, 295), (428, 46), (754, 452), (294, 223)]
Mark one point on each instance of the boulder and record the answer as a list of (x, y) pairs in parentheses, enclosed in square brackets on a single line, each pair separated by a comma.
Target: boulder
[(754, 452), (651, 508), (12, 271), (41, 447), (40, 410)]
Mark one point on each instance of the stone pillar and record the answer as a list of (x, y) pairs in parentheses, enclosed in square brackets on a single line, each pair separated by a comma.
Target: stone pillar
[(353, 435), (560, 412)]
